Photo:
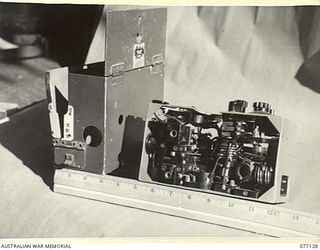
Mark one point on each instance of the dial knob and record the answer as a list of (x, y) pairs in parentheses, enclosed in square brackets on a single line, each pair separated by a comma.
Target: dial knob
[(238, 106), (262, 107)]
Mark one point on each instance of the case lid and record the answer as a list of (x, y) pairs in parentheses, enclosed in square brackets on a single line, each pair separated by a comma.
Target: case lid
[(134, 38)]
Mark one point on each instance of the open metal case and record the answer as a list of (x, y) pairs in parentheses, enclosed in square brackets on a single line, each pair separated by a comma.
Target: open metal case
[(103, 148), (95, 108), (237, 154), (98, 113)]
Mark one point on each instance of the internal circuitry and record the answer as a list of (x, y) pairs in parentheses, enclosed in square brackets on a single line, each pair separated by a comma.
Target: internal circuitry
[(233, 152)]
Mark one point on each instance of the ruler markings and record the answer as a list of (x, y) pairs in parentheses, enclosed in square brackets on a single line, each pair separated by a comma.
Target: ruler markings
[(225, 206)]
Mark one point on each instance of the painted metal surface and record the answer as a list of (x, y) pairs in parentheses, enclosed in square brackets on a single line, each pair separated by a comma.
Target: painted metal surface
[(133, 37)]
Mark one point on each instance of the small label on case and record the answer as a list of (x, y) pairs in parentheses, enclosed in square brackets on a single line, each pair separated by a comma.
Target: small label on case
[(138, 55)]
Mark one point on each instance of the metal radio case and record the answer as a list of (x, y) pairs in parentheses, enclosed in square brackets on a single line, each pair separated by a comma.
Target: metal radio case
[(162, 164), (93, 107)]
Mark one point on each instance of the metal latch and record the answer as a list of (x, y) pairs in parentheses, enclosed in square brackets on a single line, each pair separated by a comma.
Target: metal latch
[(69, 160), (284, 185)]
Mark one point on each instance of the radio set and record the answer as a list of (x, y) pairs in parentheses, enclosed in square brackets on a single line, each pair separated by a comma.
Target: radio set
[(104, 122), (233, 153)]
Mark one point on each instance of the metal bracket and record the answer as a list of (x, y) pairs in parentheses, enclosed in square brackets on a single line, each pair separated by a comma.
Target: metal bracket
[(54, 121)]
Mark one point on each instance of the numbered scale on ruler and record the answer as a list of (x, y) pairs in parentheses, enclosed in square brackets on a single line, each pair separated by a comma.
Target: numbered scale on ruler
[(245, 215)]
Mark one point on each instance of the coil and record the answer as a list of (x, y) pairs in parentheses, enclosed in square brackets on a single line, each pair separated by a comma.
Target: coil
[(262, 175), (227, 149)]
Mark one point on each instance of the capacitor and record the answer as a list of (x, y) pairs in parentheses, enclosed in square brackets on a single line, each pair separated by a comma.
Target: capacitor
[(179, 176), (232, 183), (261, 148), (173, 153), (187, 178), (256, 132), (198, 119)]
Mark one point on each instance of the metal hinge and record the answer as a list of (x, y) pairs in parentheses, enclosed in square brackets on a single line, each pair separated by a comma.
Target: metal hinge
[(157, 64), (117, 72), (117, 69), (61, 143)]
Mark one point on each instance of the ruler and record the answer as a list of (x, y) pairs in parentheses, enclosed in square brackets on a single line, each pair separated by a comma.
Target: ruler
[(267, 219)]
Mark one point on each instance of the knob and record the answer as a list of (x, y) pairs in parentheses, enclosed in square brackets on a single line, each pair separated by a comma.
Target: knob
[(238, 106), (262, 107)]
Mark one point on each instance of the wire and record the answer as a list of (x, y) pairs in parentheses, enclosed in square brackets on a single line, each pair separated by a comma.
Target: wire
[(215, 166), (175, 118), (241, 135)]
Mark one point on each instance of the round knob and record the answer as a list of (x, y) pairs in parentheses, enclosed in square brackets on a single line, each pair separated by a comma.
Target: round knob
[(261, 107), (238, 106)]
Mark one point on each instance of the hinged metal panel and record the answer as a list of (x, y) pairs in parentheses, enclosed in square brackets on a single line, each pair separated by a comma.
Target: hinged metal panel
[(86, 96), (103, 103), (126, 109), (133, 38)]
